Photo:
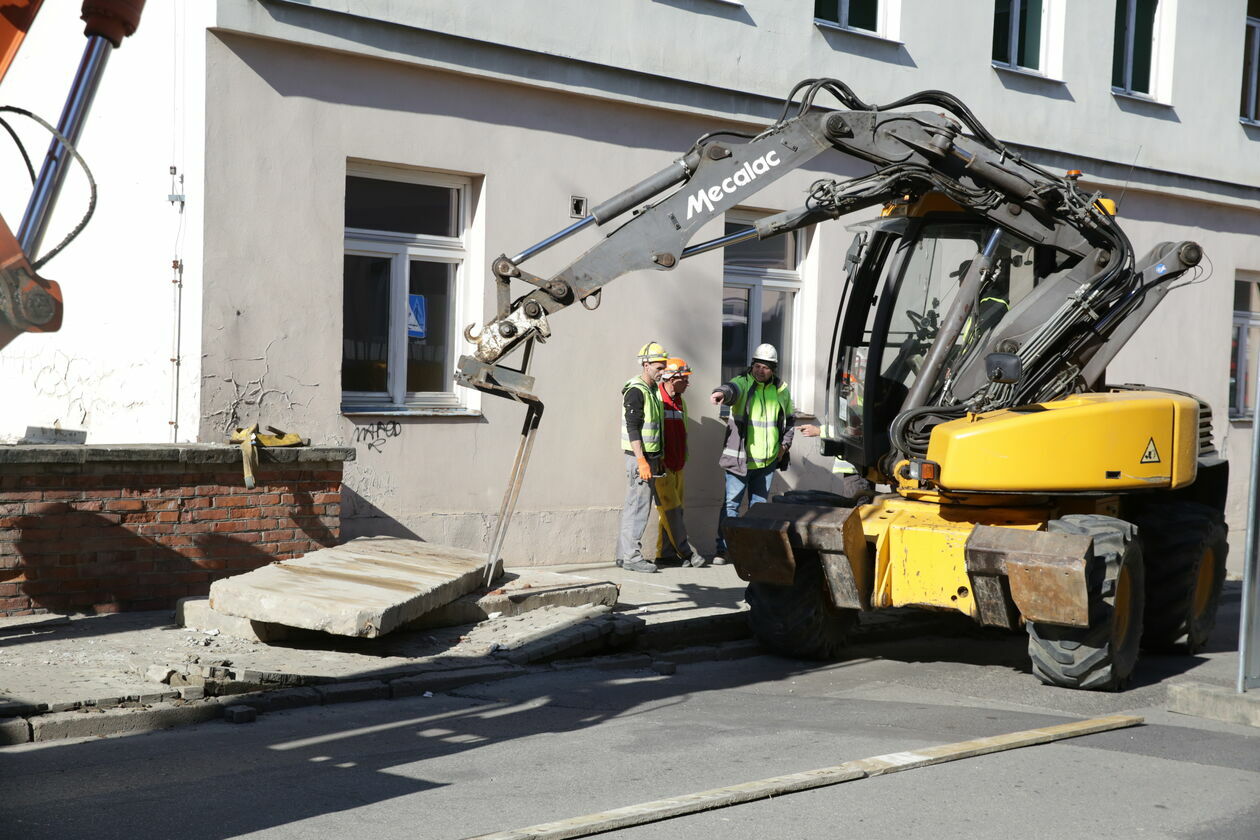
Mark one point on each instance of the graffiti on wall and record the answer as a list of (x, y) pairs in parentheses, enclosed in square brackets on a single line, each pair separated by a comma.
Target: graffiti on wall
[(376, 435)]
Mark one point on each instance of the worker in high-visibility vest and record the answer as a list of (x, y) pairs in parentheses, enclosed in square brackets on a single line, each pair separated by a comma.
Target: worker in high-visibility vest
[(758, 434), (672, 543), (642, 419)]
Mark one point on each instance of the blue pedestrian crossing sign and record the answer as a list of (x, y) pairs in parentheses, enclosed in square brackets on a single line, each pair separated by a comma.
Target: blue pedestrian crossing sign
[(415, 316)]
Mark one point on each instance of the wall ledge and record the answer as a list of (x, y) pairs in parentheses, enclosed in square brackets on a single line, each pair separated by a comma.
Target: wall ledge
[(182, 453)]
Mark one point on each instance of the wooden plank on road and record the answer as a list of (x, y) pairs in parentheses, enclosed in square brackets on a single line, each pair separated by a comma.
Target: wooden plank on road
[(691, 803)]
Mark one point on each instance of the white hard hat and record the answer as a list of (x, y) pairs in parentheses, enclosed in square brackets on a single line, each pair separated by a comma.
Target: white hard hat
[(766, 353)]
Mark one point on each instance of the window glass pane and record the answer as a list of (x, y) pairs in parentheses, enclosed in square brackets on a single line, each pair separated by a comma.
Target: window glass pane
[(1143, 44), (1246, 296), (735, 347), (776, 323), (827, 10), (429, 292), (365, 319), (1235, 384), (1251, 337), (1030, 34), (1118, 42), (864, 14), (1002, 31), (1250, 106), (775, 252), (401, 207)]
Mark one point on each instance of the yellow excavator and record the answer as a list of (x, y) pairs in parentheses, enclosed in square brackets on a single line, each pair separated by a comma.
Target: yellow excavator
[(967, 375)]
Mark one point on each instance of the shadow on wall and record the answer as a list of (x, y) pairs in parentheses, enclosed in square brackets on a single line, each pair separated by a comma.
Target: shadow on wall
[(74, 560), (361, 518)]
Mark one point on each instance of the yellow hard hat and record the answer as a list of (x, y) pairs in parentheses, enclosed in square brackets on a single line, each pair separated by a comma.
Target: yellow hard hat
[(652, 352), (675, 367)]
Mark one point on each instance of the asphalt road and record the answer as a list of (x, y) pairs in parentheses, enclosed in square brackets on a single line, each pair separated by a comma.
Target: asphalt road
[(545, 747)]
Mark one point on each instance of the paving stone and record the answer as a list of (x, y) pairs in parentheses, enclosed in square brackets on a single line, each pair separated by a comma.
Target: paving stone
[(14, 730), (240, 714), (365, 588), (354, 691)]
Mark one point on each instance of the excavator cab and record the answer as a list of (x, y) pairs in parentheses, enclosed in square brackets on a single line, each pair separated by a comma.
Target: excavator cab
[(905, 271)]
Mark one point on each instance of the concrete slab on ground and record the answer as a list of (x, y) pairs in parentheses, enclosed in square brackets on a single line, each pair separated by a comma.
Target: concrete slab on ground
[(520, 592), (365, 588)]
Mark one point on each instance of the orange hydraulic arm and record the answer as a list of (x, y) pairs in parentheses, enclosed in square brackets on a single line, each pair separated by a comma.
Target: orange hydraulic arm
[(28, 302)]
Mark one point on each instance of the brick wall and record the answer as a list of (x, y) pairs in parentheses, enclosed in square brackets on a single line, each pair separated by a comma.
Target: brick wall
[(109, 529)]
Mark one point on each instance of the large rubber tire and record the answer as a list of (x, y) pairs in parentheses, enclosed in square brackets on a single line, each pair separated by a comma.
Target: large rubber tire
[(1102, 656), (799, 620), (1184, 547)]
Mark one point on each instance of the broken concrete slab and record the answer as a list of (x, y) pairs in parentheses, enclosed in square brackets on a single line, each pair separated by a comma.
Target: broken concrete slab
[(196, 614), (364, 588), (519, 592)]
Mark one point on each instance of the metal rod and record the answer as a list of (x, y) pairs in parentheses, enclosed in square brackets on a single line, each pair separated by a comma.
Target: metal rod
[(56, 163), (515, 481), (1249, 625), (552, 240), (721, 242)]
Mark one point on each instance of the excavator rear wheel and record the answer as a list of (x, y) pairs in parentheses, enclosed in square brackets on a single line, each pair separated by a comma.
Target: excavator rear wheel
[(799, 620), (1184, 546), (1102, 656)]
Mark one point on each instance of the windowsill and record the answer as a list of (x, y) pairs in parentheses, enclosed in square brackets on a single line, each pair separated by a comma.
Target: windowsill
[(408, 411), (1140, 97), (1242, 418), (1249, 123), (728, 2), (863, 33), (1026, 73)]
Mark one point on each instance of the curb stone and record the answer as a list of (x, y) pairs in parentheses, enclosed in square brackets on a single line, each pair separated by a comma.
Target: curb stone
[(14, 730), (88, 722), (445, 680), (354, 691)]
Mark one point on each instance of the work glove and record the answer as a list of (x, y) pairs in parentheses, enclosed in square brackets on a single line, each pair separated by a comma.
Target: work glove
[(784, 459), (645, 469)]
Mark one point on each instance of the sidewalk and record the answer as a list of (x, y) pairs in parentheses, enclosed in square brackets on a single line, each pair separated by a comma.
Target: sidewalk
[(54, 669)]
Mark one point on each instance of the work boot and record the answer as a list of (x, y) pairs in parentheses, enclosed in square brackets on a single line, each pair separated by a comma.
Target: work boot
[(644, 566), (719, 560), (696, 561), (619, 561)]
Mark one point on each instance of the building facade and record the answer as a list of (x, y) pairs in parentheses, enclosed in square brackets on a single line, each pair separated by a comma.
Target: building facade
[(342, 172)]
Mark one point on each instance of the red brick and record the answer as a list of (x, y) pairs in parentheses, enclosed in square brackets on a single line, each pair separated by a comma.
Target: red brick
[(106, 608), (230, 527), (9, 590), (156, 529), (278, 535), (8, 605), (20, 496), (62, 495), (125, 505), (231, 501), (198, 502), (210, 514), (168, 516)]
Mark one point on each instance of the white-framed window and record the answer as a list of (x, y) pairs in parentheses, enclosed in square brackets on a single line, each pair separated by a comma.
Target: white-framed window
[(1245, 345), (1249, 109), (1028, 36), (870, 17), (404, 289), (760, 286), (1141, 60)]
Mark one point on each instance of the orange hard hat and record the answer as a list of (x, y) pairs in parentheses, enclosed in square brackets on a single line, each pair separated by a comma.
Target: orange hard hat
[(675, 367)]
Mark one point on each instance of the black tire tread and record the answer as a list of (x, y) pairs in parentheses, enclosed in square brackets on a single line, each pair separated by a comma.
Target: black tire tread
[(799, 620), (1174, 536), (1083, 658)]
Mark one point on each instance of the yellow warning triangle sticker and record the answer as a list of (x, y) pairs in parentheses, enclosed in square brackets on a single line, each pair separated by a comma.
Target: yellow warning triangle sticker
[(1151, 455)]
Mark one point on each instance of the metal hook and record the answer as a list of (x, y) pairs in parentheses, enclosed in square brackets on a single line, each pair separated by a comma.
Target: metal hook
[(597, 295), (470, 336)]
